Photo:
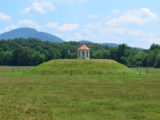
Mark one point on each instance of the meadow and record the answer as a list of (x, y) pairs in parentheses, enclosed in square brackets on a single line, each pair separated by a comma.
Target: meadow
[(123, 96)]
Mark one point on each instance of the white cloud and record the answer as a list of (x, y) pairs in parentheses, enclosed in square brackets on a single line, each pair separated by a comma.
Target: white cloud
[(52, 25), (110, 30), (75, 1), (62, 27), (29, 23), (125, 32), (4, 17), (39, 7), (132, 37), (140, 16), (23, 23), (92, 16), (86, 33), (116, 11), (68, 27), (26, 10), (94, 26), (11, 27), (101, 32)]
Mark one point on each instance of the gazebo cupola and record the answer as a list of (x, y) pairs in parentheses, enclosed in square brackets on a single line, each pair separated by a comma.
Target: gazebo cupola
[(83, 52)]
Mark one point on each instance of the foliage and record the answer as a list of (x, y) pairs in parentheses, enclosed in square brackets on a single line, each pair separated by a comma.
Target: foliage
[(32, 51)]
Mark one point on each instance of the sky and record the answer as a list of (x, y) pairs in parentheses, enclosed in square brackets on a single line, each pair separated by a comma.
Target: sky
[(133, 22)]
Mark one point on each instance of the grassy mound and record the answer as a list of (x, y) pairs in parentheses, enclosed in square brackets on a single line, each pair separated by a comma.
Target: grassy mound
[(80, 67)]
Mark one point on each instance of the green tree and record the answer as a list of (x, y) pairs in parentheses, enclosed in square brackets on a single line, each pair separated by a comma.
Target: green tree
[(157, 61), (22, 56)]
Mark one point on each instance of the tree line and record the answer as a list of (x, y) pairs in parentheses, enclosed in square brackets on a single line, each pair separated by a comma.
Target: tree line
[(31, 51)]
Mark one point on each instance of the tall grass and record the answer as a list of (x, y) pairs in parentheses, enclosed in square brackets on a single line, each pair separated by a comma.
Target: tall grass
[(80, 97)]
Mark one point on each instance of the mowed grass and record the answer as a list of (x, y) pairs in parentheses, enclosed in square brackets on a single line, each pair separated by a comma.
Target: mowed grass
[(80, 97), (13, 69), (76, 66)]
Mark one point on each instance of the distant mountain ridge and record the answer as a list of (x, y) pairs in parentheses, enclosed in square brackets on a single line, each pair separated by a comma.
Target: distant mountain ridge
[(85, 41), (104, 44), (33, 33), (30, 33), (110, 44)]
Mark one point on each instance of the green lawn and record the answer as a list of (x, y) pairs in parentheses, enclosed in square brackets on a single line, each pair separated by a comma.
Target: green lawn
[(12, 69), (77, 66), (79, 97)]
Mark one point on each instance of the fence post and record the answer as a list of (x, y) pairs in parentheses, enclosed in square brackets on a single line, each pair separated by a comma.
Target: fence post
[(13, 70), (71, 73), (124, 72), (140, 72), (137, 69), (43, 72), (147, 71)]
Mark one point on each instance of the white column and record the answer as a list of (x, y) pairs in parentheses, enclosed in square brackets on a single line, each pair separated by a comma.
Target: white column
[(81, 54), (85, 54)]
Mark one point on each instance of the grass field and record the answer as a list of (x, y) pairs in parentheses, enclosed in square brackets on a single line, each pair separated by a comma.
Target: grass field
[(76, 66), (13, 69), (79, 97)]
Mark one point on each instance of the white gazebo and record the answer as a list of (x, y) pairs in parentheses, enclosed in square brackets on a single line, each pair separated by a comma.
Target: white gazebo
[(83, 52)]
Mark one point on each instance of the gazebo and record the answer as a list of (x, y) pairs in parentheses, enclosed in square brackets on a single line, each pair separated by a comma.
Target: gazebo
[(84, 52)]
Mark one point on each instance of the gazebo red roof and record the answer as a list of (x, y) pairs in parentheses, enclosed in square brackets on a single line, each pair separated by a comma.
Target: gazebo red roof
[(83, 47)]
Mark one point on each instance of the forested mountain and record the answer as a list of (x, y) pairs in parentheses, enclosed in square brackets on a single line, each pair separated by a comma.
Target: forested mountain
[(85, 41), (110, 44), (30, 33), (105, 44), (33, 52)]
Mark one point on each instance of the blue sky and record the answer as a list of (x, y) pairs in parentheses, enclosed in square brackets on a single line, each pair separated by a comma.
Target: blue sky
[(134, 22)]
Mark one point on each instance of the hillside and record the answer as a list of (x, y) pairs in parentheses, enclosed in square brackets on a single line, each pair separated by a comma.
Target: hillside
[(110, 44), (30, 33), (76, 66), (104, 44)]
